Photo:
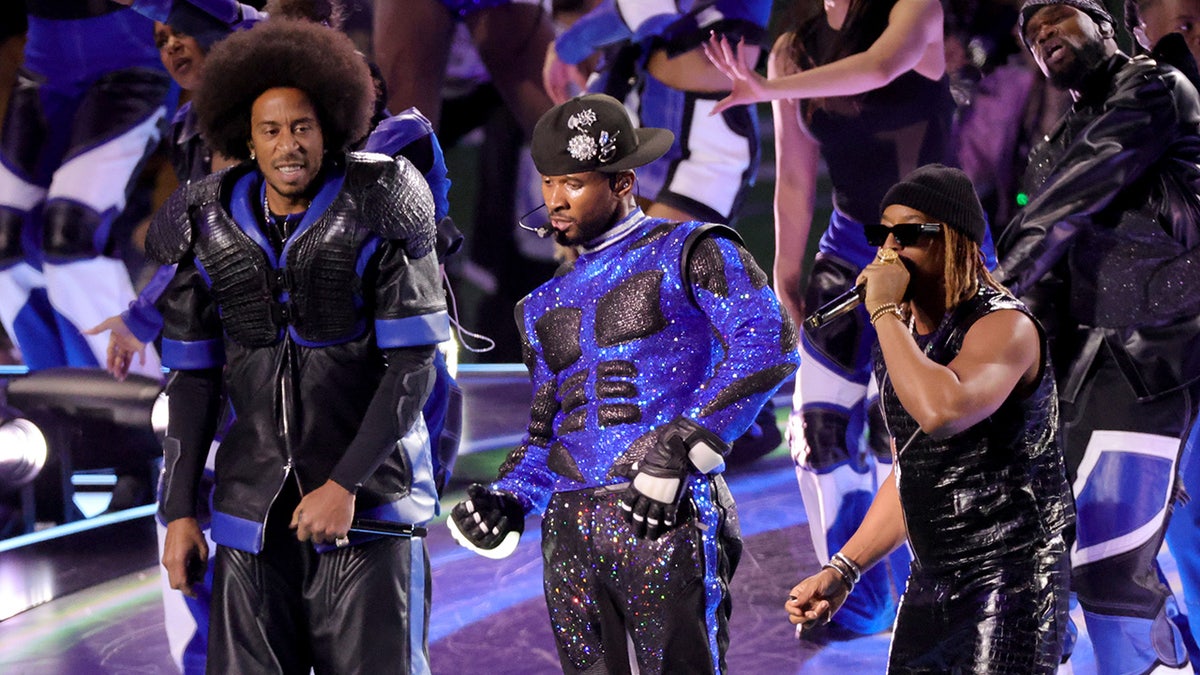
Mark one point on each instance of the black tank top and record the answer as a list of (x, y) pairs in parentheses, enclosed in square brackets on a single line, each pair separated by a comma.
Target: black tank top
[(895, 129), (994, 491)]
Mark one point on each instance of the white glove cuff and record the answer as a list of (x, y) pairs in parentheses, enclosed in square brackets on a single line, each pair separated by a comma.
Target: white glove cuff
[(706, 458)]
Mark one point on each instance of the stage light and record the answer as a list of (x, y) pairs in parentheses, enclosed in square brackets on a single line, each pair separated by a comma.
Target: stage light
[(23, 452)]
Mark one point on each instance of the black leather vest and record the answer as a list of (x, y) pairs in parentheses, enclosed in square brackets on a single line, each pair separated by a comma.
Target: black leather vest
[(315, 286), (993, 491)]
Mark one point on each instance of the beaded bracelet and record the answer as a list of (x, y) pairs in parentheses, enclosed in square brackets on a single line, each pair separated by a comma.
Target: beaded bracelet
[(886, 308)]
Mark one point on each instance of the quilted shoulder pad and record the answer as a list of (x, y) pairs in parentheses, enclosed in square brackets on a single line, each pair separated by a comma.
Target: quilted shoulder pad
[(170, 234), (394, 200)]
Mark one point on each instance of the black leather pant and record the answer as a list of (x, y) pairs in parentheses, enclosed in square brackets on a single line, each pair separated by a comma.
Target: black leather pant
[(1009, 616), (361, 609)]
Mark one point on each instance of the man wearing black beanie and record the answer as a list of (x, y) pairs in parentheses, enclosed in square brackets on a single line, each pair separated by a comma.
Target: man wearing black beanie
[(1106, 254), (970, 402)]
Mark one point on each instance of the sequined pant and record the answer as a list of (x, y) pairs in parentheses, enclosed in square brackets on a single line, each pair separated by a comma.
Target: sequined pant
[(667, 599), (1009, 616)]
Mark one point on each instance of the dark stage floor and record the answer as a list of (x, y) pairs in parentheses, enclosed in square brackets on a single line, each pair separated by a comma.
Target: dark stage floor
[(488, 616)]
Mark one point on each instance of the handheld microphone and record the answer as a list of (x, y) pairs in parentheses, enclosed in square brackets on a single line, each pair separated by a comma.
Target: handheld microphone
[(842, 304), (537, 223)]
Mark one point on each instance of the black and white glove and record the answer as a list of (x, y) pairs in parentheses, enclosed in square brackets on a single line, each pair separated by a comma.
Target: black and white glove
[(489, 523), (652, 500)]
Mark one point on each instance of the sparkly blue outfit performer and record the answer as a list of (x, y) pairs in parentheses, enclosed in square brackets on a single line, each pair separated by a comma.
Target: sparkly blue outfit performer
[(649, 355)]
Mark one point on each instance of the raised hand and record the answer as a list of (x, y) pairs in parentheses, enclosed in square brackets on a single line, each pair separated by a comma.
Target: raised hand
[(747, 86), (561, 80)]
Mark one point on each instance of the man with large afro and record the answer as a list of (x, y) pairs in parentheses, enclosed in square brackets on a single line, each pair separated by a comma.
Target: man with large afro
[(307, 294), (285, 53)]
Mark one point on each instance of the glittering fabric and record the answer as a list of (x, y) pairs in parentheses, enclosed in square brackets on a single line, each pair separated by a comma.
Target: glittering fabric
[(767, 379), (707, 261), (601, 580), (561, 463), (653, 345), (1114, 211), (758, 278), (677, 370), (558, 333), (631, 310), (983, 510)]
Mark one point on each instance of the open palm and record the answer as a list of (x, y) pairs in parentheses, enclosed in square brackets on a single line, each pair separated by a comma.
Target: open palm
[(748, 86)]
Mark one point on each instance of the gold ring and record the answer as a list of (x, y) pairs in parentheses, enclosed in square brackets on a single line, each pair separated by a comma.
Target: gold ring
[(886, 255)]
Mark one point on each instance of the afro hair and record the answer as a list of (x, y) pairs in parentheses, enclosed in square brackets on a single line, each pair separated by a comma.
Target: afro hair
[(319, 61), (330, 13)]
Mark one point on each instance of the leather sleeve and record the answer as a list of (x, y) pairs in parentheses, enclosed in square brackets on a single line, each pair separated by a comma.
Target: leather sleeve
[(193, 336), (393, 410), (194, 402), (1139, 122), (395, 200)]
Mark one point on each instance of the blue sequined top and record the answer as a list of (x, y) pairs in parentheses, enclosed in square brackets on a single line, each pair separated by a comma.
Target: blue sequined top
[(655, 320)]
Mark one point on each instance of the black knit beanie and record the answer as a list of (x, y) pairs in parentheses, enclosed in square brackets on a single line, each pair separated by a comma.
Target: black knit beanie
[(944, 194), (1093, 8)]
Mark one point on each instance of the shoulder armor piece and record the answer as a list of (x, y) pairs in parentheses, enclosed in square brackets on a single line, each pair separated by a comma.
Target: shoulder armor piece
[(170, 234), (693, 238), (394, 200)]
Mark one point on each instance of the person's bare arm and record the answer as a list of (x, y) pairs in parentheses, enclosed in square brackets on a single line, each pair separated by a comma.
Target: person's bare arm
[(913, 40), (815, 600), (999, 352), (796, 163), (185, 555)]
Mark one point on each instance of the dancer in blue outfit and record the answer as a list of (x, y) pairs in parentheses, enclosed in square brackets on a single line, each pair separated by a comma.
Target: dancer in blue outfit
[(649, 354), (654, 61), (88, 108)]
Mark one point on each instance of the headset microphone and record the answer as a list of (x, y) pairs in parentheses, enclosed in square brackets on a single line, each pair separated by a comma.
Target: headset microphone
[(537, 223)]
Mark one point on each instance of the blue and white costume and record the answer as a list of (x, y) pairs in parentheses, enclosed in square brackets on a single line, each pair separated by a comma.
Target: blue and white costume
[(1106, 248), (88, 107), (714, 159), (655, 321)]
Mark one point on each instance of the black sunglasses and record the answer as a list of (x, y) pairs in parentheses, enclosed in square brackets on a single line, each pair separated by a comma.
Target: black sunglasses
[(906, 234)]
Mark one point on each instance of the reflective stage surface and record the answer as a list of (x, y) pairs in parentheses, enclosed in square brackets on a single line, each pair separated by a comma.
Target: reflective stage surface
[(488, 616)]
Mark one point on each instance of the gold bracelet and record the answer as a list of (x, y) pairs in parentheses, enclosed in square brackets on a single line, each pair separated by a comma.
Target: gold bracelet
[(886, 308)]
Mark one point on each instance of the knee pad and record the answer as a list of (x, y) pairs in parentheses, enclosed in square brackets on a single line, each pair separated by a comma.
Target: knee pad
[(70, 230), (11, 251), (825, 438)]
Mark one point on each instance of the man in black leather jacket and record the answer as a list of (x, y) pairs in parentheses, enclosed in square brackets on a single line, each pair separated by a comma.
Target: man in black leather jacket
[(1105, 253), (307, 293)]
